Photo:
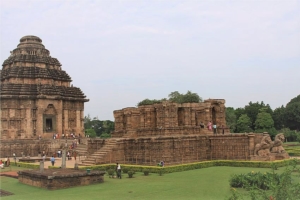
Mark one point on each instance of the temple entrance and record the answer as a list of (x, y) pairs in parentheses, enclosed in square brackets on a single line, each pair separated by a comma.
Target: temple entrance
[(48, 124), (213, 111)]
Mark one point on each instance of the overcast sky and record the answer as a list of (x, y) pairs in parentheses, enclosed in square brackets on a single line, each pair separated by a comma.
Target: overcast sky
[(121, 52)]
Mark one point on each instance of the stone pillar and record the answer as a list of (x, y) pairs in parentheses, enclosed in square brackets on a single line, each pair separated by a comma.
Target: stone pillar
[(63, 158), (41, 166), (251, 144)]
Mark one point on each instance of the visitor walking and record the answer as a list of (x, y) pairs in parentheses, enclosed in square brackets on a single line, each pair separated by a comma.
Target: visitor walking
[(52, 159), (209, 126), (118, 169), (215, 128), (15, 158)]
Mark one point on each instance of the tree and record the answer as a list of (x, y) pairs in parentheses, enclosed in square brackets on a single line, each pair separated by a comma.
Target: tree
[(252, 111), (238, 112), (99, 127), (230, 119), (148, 102), (264, 122), (175, 97), (278, 117), (90, 132), (292, 114), (243, 124)]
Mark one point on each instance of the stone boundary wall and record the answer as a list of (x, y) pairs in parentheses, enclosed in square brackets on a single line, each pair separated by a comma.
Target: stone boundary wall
[(180, 149), (29, 147)]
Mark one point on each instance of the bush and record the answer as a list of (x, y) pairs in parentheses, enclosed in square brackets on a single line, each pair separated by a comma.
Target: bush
[(125, 170), (130, 174), (111, 172), (146, 172)]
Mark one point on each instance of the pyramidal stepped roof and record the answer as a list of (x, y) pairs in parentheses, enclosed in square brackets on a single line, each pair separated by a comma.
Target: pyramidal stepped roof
[(30, 72)]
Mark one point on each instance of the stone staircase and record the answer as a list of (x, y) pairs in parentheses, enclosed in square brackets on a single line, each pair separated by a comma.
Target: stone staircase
[(82, 149), (102, 155)]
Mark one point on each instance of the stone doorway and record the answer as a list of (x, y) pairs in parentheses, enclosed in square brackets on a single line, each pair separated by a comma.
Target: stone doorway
[(213, 111)]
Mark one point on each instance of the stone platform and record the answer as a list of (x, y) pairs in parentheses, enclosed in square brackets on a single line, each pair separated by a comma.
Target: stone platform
[(53, 179)]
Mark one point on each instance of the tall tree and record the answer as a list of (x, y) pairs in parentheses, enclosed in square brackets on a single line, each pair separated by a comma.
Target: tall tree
[(253, 109), (230, 119), (292, 114), (278, 117), (239, 111), (243, 124), (264, 122)]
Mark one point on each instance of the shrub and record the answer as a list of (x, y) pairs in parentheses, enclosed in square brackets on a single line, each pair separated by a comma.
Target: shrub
[(111, 172), (146, 172), (130, 174), (125, 170)]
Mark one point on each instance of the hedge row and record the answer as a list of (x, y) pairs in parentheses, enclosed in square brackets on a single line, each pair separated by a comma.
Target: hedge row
[(198, 165), (27, 165)]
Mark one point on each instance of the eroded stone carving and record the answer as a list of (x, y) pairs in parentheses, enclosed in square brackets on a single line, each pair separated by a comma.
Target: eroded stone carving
[(277, 146), (263, 148)]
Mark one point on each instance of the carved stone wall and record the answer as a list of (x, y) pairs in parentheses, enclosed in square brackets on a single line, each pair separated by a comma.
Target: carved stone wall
[(179, 148), (36, 96), (28, 147), (169, 119)]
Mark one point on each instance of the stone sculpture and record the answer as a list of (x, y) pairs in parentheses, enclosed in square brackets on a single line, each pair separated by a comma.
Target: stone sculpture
[(277, 146), (263, 148)]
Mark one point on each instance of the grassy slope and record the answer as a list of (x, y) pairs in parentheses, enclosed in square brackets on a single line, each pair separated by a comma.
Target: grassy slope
[(207, 183)]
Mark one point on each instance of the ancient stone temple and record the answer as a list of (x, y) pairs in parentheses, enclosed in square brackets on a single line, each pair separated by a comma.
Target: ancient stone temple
[(169, 118), (177, 133), (36, 95)]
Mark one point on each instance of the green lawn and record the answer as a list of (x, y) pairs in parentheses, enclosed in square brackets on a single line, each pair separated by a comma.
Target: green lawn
[(207, 183)]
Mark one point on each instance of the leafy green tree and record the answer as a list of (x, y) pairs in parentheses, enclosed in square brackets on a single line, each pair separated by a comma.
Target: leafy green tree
[(149, 102), (292, 114), (278, 117), (243, 124), (239, 111), (230, 119), (252, 111), (290, 135), (90, 132), (175, 97), (264, 122), (100, 127)]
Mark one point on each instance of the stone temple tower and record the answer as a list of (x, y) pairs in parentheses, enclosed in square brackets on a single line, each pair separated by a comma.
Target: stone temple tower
[(36, 96)]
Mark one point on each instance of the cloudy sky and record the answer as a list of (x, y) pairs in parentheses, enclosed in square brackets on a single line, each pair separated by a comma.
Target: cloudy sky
[(121, 52)]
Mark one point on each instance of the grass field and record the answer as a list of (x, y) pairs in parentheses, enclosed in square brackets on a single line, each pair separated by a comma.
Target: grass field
[(207, 183)]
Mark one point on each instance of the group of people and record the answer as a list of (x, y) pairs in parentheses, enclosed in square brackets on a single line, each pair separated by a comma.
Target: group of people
[(5, 163), (213, 127)]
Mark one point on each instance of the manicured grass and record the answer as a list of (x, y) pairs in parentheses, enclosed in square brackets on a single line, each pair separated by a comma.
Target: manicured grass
[(207, 183)]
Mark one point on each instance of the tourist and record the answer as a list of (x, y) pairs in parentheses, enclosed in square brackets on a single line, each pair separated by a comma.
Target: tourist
[(1, 164), (209, 126), (68, 155), (215, 128), (40, 137), (58, 153), (7, 163), (223, 129), (118, 169), (15, 158), (52, 159), (74, 154), (162, 163), (44, 157), (63, 136)]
